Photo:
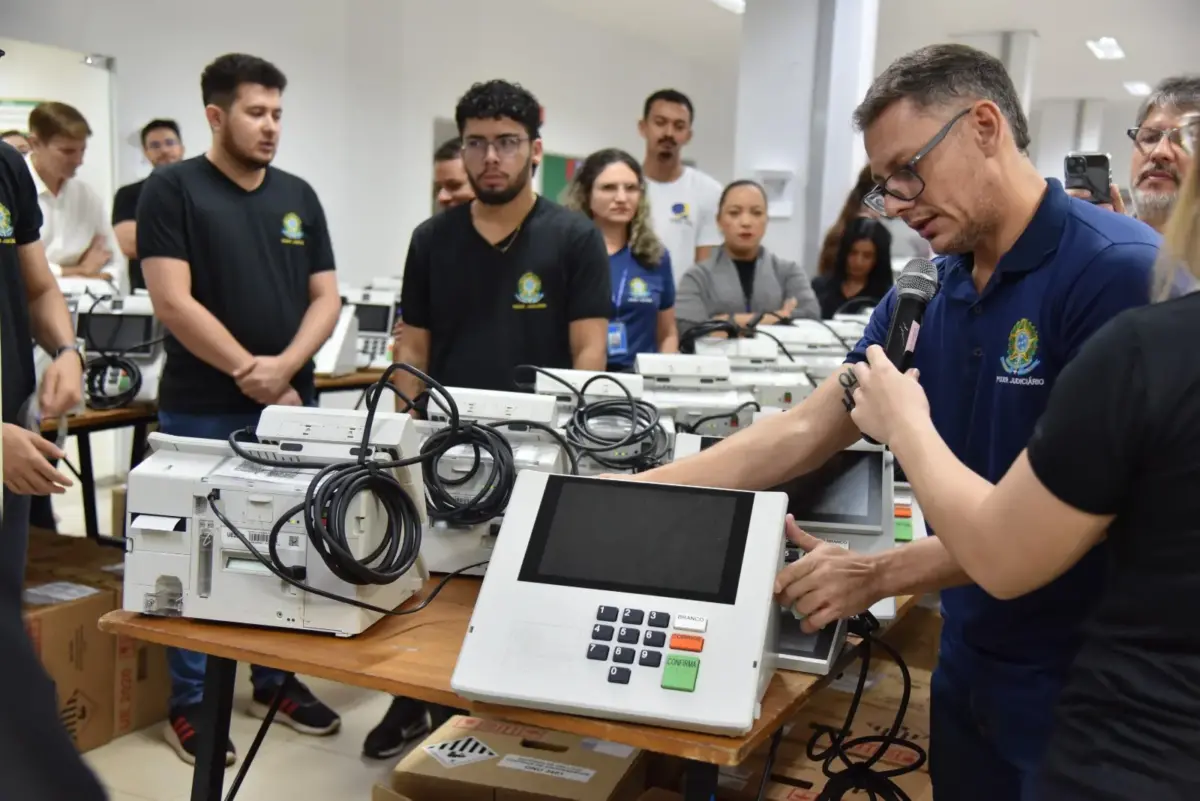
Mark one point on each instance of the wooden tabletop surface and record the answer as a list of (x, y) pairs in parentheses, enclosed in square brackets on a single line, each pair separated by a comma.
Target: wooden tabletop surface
[(111, 418), (414, 655)]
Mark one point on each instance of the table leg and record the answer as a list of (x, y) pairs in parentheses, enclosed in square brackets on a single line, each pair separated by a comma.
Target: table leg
[(699, 781), (137, 451), (208, 777), (87, 485)]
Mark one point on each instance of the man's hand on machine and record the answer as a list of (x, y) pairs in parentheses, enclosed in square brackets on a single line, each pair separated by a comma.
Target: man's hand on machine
[(27, 468), (265, 379), (828, 583)]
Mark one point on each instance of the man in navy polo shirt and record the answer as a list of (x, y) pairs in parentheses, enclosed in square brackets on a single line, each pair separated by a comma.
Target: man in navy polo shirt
[(1030, 274)]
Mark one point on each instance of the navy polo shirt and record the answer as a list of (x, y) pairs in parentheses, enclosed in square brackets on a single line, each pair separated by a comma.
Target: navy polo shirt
[(987, 363), (639, 294)]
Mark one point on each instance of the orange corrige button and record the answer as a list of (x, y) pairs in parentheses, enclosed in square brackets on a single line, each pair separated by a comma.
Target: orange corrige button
[(687, 642)]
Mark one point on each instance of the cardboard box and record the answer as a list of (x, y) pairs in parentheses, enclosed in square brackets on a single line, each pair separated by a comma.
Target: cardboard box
[(475, 759), (62, 620), (118, 511), (141, 682)]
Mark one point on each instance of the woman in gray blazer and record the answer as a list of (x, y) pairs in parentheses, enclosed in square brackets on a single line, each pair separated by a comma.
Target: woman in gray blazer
[(741, 279)]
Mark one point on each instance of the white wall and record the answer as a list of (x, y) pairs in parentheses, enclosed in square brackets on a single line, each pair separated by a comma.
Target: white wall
[(366, 80)]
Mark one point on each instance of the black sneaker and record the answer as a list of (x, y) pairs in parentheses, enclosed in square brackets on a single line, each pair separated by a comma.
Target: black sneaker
[(180, 733), (405, 721), (300, 709)]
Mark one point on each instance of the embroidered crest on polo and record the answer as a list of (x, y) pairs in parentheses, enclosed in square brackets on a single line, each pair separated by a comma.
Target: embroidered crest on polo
[(1021, 357)]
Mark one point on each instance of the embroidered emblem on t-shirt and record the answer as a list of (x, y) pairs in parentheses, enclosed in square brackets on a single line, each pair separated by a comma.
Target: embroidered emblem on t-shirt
[(293, 229), (6, 226), (529, 292), (1021, 358), (680, 212), (639, 291)]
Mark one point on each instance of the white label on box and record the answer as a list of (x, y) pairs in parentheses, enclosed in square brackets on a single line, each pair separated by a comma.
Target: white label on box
[(463, 751), (57, 592), (544, 767), (605, 747)]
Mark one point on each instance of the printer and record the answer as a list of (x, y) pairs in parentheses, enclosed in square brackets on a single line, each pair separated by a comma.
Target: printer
[(182, 561), (120, 333)]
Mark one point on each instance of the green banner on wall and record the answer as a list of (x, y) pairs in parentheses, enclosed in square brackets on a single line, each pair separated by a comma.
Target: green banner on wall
[(557, 174)]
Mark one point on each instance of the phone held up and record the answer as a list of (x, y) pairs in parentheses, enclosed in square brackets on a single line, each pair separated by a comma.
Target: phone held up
[(1091, 172)]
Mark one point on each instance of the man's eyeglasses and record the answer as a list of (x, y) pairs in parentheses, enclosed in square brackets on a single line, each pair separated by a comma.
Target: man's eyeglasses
[(476, 147), (1184, 137), (905, 184), (161, 145)]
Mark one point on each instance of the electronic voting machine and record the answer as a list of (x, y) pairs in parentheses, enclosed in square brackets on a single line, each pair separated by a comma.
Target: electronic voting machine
[(848, 501), (629, 601)]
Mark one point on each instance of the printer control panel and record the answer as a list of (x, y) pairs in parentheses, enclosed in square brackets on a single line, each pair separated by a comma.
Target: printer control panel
[(655, 640)]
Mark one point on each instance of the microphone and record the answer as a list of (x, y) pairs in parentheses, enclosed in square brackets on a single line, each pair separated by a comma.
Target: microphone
[(915, 287)]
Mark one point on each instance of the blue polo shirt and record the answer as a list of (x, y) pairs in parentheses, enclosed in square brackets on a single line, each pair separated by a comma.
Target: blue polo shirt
[(987, 363), (639, 294)]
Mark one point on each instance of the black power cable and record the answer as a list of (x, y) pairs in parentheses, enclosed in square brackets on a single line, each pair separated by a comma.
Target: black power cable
[(730, 417), (329, 496), (732, 330), (646, 438), (864, 775)]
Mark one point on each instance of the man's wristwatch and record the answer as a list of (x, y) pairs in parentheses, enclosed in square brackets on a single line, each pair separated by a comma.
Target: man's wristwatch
[(72, 348)]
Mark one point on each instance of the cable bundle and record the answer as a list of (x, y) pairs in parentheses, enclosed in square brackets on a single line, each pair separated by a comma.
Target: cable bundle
[(108, 358), (646, 438)]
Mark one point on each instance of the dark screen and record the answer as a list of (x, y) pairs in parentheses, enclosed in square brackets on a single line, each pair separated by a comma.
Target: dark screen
[(118, 333), (373, 319), (843, 490), (676, 542)]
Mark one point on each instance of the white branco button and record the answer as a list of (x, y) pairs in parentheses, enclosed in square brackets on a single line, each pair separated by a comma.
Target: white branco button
[(691, 623)]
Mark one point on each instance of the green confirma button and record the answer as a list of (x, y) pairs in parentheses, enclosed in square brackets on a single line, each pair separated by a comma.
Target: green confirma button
[(680, 673)]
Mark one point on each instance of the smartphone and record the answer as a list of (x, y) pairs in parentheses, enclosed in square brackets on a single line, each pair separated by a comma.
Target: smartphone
[(1091, 172)]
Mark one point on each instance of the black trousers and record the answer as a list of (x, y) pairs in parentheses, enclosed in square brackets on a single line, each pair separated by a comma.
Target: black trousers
[(37, 758)]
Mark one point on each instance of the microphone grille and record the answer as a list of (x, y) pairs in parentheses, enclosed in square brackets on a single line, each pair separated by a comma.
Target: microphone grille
[(919, 279)]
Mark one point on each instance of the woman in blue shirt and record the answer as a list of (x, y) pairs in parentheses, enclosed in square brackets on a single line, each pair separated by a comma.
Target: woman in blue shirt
[(609, 188)]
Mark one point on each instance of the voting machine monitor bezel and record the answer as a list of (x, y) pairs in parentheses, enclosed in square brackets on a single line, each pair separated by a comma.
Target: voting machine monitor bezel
[(570, 511), (127, 334), (386, 312)]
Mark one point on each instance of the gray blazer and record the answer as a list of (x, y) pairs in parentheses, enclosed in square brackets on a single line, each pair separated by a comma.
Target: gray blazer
[(712, 287)]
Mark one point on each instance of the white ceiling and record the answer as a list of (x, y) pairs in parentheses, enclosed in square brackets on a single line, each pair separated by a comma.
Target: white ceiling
[(1159, 37)]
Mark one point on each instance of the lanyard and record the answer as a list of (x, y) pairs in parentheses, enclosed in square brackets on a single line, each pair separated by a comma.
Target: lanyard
[(617, 298)]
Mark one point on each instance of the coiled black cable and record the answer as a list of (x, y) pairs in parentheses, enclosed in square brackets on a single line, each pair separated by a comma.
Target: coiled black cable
[(687, 340), (646, 439), (864, 775), (106, 357), (730, 417)]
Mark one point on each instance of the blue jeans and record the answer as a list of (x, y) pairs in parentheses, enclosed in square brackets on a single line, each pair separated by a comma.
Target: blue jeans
[(187, 667), (989, 726)]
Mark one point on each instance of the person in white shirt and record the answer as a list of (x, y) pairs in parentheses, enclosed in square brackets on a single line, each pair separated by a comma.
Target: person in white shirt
[(75, 227), (683, 200)]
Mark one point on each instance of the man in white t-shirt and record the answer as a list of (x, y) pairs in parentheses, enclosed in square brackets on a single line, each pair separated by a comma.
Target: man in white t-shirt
[(683, 200)]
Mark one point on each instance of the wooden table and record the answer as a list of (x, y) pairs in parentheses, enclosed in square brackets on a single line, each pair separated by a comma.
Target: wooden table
[(414, 656), (360, 381), (139, 416)]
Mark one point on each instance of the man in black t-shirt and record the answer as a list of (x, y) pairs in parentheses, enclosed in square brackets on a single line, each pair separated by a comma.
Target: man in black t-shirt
[(37, 758), (162, 145), (237, 258), (509, 278)]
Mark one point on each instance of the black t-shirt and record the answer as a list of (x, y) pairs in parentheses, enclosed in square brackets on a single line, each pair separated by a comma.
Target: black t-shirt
[(828, 290), (251, 255), (1121, 436), (20, 224), (489, 310), (745, 271), (125, 210)]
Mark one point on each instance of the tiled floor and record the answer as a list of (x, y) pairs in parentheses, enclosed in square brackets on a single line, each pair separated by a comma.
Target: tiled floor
[(289, 766)]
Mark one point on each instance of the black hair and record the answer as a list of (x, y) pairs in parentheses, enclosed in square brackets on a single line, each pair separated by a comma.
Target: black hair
[(942, 74), (880, 279), (740, 182), (497, 100), (221, 79), (669, 96), (155, 125), (449, 150), (14, 132)]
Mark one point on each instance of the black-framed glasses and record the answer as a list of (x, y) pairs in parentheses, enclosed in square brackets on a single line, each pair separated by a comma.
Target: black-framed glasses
[(476, 147), (905, 184), (1183, 137)]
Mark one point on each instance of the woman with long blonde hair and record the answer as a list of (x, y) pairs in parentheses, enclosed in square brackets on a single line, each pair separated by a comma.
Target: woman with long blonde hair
[(1116, 456), (610, 189)]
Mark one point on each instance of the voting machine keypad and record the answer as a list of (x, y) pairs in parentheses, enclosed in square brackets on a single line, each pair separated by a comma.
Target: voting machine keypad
[(676, 654)]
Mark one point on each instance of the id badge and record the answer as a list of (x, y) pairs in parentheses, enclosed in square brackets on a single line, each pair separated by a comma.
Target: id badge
[(618, 343)]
